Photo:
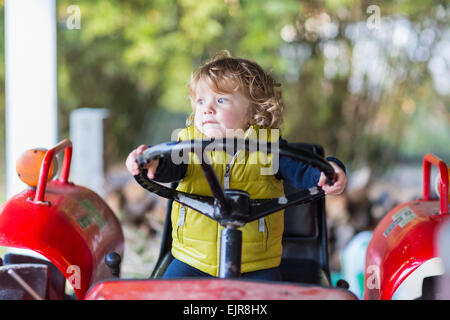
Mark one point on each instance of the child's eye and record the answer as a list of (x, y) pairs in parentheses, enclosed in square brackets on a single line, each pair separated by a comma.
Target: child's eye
[(222, 100), (200, 101)]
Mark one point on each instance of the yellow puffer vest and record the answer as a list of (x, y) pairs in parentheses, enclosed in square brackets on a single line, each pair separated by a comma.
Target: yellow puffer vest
[(196, 238)]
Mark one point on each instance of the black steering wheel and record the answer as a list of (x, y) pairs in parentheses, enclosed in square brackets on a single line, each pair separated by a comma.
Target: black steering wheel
[(231, 207)]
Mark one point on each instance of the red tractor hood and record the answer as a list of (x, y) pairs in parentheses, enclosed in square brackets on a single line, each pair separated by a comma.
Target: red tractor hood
[(73, 228), (217, 289), (400, 244), (406, 237)]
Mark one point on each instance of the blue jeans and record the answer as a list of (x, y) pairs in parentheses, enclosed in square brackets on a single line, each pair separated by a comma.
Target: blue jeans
[(179, 269)]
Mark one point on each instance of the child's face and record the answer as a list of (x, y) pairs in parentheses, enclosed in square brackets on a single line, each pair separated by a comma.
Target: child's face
[(216, 112)]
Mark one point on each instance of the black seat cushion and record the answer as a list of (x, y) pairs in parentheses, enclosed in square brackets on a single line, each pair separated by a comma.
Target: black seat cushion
[(303, 271), (300, 221)]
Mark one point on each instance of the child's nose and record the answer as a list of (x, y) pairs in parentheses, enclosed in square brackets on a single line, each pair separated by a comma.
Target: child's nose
[(209, 108)]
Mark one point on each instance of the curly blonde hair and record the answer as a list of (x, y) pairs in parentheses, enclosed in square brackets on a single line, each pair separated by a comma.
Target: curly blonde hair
[(225, 74)]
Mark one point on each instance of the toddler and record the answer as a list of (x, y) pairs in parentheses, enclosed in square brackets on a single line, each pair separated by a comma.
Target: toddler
[(232, 95)]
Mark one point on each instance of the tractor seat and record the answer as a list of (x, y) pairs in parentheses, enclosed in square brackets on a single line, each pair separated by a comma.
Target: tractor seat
[(305, 241), (305, 258)]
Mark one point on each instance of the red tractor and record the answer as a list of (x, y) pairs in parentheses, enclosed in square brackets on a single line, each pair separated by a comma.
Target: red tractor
[(404, 258), (69, 226), (79, 240)]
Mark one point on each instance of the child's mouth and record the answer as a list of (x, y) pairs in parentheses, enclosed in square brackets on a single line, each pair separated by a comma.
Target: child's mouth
[(209, 122)]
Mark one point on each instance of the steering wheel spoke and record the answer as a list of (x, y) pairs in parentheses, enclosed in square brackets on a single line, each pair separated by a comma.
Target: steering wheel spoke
[(205, 205), (264, 207)]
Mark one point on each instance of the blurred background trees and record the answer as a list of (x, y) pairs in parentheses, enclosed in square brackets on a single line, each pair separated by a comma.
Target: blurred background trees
[(370, 84), (368, 80)]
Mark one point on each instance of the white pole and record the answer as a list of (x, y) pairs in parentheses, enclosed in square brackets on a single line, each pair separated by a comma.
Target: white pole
[(86, 133), (31, 99)]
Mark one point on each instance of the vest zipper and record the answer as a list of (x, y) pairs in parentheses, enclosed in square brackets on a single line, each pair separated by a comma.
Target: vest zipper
[(267, 232), (181, 220), (226, 177), (262, 226)]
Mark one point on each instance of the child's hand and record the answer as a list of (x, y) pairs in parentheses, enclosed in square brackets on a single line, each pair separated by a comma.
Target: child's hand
[(133, 167), (339, 186)]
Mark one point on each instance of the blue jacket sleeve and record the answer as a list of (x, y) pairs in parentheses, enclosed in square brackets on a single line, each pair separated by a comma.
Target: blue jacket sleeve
[(298, 174), (167, 171)]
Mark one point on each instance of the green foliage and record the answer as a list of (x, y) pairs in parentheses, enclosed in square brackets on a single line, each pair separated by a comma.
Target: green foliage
[(135, 58)]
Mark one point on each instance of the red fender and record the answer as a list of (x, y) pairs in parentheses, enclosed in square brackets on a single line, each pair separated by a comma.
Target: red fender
[(405, 238), (68, 224)]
